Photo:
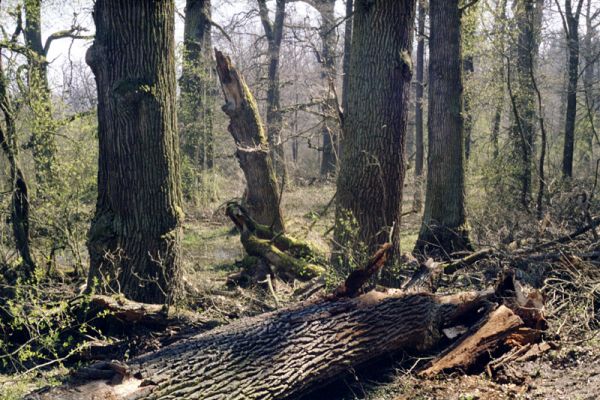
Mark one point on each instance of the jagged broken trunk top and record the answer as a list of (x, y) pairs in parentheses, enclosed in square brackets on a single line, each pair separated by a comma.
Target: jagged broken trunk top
[(262, 194)]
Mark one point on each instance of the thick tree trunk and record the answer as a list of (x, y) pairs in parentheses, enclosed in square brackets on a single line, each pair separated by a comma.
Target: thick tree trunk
[(43, 141), (444, 228), (262, 194), (289, 352), (572, 22), (369, 186), (198, 86), (274, 34), (134, 237)]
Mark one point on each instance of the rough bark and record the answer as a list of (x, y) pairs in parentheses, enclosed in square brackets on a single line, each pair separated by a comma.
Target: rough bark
[(261, 197), (134, 238), (289, 352), (444, 228), (369, 186), (571, 22), (198, 86), (19, 212)]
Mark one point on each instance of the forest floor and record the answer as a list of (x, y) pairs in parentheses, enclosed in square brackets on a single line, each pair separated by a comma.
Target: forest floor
[(571, 370)]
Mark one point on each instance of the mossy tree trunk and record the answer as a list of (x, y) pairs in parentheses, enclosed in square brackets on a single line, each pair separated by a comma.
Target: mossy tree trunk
[(261, 197), (19, 212), (522, 94), (369, 185), (274, 33), (468, 26), (198, 86), (444, 227), (43, 140), (134, 238)]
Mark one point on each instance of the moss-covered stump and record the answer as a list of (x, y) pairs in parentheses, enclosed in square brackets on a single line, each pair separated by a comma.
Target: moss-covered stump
[(286, 257)]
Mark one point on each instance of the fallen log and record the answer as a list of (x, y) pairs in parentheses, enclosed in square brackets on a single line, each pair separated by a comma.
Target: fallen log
[(289, 352)]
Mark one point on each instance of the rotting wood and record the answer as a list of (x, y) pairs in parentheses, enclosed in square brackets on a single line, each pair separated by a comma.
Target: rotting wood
[(262, 197), (357, 278), (285, 256), (516, 323)]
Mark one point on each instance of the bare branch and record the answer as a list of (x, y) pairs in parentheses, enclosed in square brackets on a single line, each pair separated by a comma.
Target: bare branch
[(73, 33)]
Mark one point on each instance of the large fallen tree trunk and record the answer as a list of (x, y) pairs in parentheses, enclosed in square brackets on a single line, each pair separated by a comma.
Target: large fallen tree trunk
[(290, 352)]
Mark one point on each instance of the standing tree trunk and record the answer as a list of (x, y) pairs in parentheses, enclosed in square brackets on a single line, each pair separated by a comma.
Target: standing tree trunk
[(274, 34), (261, 197), (419, 90), (499, 28), (134, 238), (197, 86), (369, 185), (588, 81), (418, 196), (444, 228), (571, 26), (522, 96), (346, 59), (19, 213), (468, 26), (43, 141), (330, 131)]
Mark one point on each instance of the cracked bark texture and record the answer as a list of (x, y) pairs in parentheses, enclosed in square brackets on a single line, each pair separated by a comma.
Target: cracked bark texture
[(444, 227), (369, 185), (134, 238), (290, 352)]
